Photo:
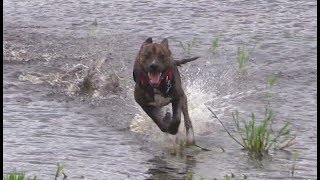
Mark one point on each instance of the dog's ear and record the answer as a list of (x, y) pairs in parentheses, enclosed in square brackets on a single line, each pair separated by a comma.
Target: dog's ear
[(165, 42), (148, 41)]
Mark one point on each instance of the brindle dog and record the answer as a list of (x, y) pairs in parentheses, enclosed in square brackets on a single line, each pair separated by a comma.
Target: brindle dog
[(158, 83)]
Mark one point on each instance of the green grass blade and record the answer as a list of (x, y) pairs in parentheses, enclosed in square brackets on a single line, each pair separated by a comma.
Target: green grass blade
[(226, 129)]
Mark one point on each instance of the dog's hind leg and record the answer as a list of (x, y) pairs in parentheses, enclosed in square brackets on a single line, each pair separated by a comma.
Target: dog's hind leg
[(162, 120), (187, 122)]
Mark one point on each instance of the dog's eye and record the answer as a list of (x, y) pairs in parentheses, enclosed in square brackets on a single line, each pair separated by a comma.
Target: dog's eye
[(161, 56), (147, 55)]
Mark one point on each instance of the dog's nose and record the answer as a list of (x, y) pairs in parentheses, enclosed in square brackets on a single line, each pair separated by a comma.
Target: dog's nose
[(153, 67)]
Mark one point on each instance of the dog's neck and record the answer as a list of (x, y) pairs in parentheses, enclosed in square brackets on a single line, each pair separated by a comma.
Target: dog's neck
[(165, 82)]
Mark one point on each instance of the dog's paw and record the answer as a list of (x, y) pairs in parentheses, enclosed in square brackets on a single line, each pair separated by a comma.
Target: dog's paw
[(167, 117), (152, 104), (190, 142), (190, 138)]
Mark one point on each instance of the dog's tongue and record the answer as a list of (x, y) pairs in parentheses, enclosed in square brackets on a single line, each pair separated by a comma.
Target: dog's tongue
[(154, 78)]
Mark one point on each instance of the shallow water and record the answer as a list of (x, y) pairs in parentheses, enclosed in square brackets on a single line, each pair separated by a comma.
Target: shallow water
[(50, 45)]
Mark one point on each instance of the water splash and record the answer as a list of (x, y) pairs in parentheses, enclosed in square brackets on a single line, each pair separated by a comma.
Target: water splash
[(201, 117), (79, 79), (15, 52), (198, 98), (220, 92)]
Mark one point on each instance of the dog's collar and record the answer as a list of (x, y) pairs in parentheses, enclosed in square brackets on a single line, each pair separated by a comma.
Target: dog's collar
[(165, 82)]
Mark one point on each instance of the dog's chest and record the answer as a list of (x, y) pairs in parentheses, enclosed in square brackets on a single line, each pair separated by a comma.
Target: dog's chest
[(159, 99)]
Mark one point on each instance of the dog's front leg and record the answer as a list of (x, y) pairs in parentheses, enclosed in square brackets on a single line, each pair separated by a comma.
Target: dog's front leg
[(176, 116), (156, 115), (165, 123)]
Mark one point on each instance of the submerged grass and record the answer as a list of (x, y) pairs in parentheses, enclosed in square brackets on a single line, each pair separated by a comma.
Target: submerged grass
[(232, 176), (60, 172), (270, 83), (93, 28), (190, 176), (215, 45), (188, 46), (17, 176), (21, 175), (242, 59), (296, 155), (258, 137)]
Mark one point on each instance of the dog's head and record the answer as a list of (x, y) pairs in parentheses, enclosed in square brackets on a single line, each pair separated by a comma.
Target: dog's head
[(155, 59)]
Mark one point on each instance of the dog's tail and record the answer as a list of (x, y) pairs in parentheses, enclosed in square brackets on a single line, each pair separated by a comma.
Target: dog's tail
[(183, 61)]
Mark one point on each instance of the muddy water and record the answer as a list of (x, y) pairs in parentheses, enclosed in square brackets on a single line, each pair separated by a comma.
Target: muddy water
[(50, 47)]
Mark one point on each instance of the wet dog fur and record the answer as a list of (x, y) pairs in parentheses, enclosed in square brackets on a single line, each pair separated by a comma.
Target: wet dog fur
[(158, 83)]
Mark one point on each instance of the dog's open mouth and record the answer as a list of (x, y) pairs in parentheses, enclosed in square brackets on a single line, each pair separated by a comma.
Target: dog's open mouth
[(154, 78)]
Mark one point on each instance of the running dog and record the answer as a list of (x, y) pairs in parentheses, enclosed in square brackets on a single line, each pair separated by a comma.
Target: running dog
[(158, 83)]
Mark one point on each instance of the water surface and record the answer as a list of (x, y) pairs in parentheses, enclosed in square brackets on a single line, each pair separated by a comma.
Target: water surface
[(106, 135)]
